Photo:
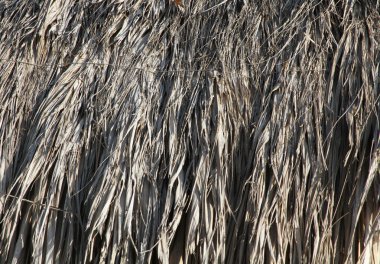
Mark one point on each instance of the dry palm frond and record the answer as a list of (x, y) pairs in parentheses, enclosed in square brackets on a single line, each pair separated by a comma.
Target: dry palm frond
[(195, 131)]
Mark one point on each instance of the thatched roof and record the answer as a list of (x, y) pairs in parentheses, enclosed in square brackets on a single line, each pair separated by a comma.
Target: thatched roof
[(197, 131)]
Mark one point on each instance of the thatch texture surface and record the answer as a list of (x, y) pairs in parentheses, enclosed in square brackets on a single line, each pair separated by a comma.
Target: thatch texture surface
[(196, 131)]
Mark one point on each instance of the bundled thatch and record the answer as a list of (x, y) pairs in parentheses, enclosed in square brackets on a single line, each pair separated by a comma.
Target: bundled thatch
[(199, 131)]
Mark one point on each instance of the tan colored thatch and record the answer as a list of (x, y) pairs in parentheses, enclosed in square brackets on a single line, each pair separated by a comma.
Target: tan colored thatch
[(220, 131)]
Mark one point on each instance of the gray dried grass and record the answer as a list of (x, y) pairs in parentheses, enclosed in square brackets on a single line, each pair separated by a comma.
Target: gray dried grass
[(214, 131)]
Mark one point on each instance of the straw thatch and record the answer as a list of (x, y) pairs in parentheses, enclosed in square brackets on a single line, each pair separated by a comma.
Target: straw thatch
[(220, 131)]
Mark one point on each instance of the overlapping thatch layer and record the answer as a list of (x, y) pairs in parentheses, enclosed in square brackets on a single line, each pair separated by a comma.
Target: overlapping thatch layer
[(203, 131)]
